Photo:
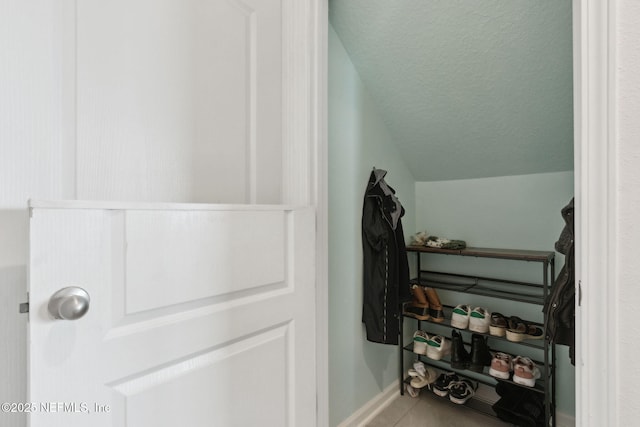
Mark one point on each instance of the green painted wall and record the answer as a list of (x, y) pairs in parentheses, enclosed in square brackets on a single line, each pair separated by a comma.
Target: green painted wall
[(358, 140), (517, 212)]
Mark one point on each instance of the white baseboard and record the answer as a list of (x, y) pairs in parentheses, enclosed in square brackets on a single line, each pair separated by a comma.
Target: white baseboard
[(373, 407)]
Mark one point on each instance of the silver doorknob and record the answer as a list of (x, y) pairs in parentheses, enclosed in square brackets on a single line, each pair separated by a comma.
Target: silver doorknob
[(69, 303)]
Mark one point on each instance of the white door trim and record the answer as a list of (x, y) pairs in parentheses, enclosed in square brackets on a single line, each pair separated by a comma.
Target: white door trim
[(595, 188), (319, 90), (143, 206), (305, 153)]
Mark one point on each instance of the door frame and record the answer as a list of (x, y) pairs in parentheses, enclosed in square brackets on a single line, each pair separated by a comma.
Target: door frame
[(305, 154), (594, 42), (319, 26), (595, 161)]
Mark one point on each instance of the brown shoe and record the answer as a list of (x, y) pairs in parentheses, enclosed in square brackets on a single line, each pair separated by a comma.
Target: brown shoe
[(498, 325), (435, 306), (419, 307), (418, 294)]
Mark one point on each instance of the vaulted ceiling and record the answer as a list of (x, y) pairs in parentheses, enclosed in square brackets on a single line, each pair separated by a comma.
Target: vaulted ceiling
[(467, 88)]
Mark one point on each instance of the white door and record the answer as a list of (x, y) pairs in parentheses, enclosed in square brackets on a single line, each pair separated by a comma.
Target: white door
[(200, 315)]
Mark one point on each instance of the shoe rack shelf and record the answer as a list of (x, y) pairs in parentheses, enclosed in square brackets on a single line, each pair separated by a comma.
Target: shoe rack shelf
[(444, 363), (510, 290)]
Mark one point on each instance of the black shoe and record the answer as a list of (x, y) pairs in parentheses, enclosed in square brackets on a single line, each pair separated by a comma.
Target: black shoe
[(480, 355), (519, 405), (443, 382), (461, 391), (460, 357)]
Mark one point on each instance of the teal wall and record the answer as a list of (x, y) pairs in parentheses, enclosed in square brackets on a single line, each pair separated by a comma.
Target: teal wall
[(358, 140), (509, 212)]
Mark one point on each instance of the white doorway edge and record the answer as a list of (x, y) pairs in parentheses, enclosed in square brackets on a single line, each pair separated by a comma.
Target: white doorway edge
[(594, 45)]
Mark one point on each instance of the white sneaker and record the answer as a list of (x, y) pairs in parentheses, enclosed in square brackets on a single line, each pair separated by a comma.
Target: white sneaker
[(501, 366), (412, 391), (424, 380), (525, 372), (419, 370), (438, 346), (420, 339), (480, 320), (460, 316)]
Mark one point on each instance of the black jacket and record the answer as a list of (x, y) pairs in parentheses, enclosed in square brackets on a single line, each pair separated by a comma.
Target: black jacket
[(560, 307), (386, 271)]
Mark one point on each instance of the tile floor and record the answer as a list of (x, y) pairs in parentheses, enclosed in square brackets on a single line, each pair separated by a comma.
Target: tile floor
[(428, 410)]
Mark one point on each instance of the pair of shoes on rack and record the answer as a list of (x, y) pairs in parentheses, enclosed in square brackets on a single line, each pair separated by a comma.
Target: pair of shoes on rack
[(459, 390), (477, 319), (514, 328), (520, 330), (434, 347), (519, 406), (421, 376), (525, 371), (479, 357), (426, 304)]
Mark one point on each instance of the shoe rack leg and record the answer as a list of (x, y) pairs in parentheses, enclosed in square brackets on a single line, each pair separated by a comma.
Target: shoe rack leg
[(401, 353)]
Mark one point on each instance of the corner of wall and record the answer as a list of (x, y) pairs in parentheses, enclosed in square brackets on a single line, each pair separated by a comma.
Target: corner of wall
[(357, 140)]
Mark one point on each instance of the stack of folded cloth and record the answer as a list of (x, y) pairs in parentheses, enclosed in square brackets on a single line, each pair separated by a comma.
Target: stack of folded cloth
[(423, 239)]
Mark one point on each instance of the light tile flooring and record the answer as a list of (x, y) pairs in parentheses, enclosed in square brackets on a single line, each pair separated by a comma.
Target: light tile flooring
[(428, 410)]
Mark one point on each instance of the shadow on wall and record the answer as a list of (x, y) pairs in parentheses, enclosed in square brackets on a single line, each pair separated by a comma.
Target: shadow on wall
[(375, 358), (13, 325), (13, 333)]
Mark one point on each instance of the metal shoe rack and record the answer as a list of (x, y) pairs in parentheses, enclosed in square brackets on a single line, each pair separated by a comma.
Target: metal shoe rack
[(531, 293)]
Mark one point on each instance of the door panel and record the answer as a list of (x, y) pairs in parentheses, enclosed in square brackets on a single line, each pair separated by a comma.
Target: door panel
[(236, 365), (197, 248), (178, 100), (213, 327)]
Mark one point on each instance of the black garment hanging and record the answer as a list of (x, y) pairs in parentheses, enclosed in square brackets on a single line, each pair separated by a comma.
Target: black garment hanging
[(560, 309), (385, 265)]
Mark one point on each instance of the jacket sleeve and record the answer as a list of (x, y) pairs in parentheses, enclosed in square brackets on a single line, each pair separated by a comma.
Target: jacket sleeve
[(373, 229)]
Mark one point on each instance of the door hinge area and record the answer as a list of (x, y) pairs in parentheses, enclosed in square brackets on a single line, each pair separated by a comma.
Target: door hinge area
[(579, 293), (24, 307)]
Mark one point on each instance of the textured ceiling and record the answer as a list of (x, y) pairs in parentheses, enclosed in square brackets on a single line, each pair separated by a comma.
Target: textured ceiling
[(467, 88)]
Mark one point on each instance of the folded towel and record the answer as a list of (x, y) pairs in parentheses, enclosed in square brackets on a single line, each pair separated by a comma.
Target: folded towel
[(442, 243), (420, 238)]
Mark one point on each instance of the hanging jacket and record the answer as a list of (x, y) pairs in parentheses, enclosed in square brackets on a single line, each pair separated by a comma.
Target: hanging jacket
[(385, 266), (560, 307)]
